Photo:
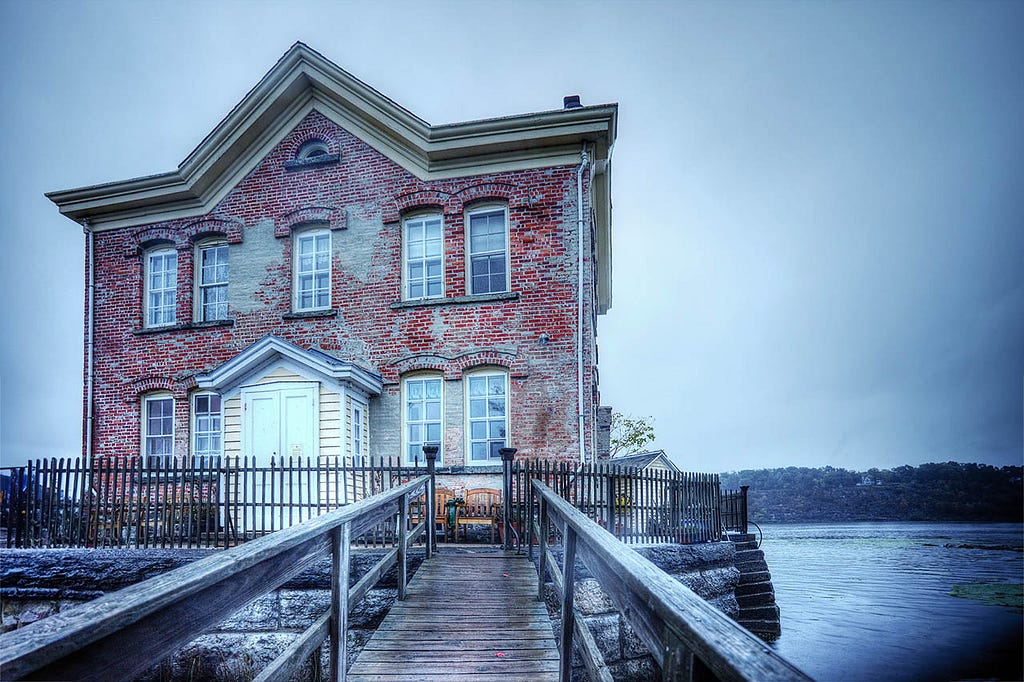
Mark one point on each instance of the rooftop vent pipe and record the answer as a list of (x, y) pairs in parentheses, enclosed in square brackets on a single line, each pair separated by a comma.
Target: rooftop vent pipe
[(571, 102)]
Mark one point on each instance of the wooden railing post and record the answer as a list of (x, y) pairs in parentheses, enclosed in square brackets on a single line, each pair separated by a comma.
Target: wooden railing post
[(545, 530), (528, 515), (507, 454), (568, 615), (743, 508), (340, 559), (403, 569), (430, 452)]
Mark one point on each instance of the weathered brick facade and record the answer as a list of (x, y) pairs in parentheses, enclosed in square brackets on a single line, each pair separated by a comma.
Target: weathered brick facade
[(362, 196)]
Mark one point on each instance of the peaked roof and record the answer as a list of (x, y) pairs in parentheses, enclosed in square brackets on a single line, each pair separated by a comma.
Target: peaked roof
[(302, 81), (272, 349), (642, 460)]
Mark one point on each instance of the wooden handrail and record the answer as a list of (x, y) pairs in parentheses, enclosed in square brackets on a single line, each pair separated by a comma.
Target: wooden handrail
[(122, 634), (684, 634)]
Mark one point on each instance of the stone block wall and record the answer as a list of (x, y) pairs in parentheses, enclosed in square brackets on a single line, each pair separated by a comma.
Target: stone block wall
[(707, 569), (37, 583)]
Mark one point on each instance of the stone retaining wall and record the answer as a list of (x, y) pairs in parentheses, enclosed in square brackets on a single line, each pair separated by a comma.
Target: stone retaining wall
[(707, 569), (38, 583)]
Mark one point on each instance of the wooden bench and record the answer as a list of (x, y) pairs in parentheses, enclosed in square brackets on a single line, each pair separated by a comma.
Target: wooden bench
[(441, 498), (483, 505)]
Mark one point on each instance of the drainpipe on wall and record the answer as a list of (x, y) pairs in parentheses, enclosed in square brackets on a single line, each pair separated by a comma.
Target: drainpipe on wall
[(581, 239), (90, 296)]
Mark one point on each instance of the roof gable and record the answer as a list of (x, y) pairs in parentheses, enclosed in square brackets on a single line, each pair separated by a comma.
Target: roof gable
[(302, 81), (643, 460), (270, 350)]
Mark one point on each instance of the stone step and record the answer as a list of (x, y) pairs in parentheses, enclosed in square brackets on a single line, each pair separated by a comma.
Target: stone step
[(749, 555), (762, 627), (754, 588), (759, 613), (754, 577), (742, 546), (741, 537), (752, 600), (755, 565)]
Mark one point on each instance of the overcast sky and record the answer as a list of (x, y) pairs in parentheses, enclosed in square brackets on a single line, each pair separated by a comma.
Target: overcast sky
[(818, 222)]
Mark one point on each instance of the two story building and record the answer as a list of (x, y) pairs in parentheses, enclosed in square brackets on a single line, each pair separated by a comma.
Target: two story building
[(328, 275)]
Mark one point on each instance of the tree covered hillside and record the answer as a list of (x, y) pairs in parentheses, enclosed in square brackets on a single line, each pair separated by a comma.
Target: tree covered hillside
[(930, 492)]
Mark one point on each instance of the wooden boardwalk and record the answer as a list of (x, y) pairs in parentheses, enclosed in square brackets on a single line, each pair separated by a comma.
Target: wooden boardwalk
[(468, 616)]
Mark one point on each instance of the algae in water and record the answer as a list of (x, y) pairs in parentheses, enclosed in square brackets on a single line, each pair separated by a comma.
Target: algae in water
[(1009, 595)]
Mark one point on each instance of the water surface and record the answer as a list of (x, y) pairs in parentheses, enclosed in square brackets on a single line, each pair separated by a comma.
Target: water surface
[(872, 601)]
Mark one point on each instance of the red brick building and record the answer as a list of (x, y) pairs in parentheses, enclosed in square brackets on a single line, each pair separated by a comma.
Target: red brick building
[(328, 275)]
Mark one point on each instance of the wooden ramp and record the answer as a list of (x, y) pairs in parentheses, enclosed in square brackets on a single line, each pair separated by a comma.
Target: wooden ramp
[(468, 616)]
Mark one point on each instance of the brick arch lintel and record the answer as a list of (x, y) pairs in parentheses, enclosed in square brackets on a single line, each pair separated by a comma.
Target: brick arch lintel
[(335, 217), (231, 229), (453, 367), (140, 387), (426, 198)]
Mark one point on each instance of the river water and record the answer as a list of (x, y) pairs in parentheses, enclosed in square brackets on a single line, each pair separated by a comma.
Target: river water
[(872, 601)]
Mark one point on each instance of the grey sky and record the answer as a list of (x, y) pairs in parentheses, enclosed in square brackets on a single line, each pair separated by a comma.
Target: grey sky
[(819, 207)]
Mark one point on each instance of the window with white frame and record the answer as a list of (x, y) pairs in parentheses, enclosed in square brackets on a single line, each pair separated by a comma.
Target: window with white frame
[(213, 282), (207, 440), (312, 270), (158, 429), (161, 286), (487, 416), (488, 251), (424, 272), (357, 431), (421, 416)]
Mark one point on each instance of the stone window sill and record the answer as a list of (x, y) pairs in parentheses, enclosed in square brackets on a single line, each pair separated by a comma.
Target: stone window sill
[(191, 326), (310, 314), (457, 300)]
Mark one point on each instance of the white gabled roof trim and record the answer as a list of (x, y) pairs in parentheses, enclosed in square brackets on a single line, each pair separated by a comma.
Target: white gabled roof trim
[(251, 363)]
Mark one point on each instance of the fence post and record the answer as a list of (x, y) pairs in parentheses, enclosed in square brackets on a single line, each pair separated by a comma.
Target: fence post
[(430, 452), (507, 454), (542, 547), (568, 615), (340, 558), (403, 569), (743, 507)]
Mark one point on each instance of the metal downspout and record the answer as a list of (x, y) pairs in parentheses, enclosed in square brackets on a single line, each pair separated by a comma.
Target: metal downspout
[(90, 314), (581, 239)]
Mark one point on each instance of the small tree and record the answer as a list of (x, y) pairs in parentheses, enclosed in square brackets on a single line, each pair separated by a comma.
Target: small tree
[(630, 434)]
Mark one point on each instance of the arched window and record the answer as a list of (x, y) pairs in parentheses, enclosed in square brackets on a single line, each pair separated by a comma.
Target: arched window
[(487, 247), (161, 286), (422, 253), (157, 429), (312, 149), (422, 416), (211, 266), (486, 415), (312, 269)]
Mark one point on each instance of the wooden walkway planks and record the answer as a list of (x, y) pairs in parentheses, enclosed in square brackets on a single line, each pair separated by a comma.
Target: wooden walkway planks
[(463, 610)]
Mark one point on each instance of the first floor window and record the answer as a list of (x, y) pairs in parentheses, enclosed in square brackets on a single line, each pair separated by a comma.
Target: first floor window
[(161, 286), (423, 269), (158, 429), (206, 425), (313, 270), (422, 417), (357, 431), (213, 282), (488, 416), (488, 254)]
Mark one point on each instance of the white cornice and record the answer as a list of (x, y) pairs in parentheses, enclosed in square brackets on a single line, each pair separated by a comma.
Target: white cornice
[(303, 81)]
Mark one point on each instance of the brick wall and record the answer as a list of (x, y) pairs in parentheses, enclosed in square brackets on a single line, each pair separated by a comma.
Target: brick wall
[(362, 198)]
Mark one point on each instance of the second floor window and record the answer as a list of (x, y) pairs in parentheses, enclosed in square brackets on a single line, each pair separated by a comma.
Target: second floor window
[(312, 270), (488, 252), (161, 286), (158, 429), (213, 282), (423, 247)]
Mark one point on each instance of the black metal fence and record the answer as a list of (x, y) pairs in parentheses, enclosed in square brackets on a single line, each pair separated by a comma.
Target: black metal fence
[(193, 502), (734, 510), (636, 505)]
